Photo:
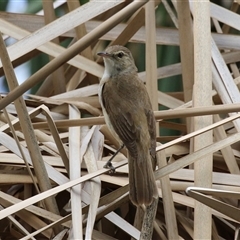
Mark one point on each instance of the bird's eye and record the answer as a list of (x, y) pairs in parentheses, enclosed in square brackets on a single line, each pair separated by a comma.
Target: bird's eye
[(120, 54)]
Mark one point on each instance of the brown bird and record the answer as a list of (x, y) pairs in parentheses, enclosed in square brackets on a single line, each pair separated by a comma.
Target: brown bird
[(128, 113)]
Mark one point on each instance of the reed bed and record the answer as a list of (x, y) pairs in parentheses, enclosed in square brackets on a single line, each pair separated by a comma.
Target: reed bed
[(54, 143)]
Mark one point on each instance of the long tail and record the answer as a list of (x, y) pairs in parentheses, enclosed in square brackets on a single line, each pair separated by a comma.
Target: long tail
[(141, 180)]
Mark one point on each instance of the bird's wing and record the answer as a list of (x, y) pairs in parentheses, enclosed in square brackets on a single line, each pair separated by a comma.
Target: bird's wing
[(152, 131), (120, 113)]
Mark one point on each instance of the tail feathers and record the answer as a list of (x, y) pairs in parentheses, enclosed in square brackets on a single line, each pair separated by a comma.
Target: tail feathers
[(141, 180)]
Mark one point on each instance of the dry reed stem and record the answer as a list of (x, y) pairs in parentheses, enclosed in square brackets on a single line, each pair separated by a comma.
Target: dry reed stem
[(187, 160), (203, 88), (74, 173), (186, 47), (165, 114), (222, 207), (219, 133), (151, 54), (58, 86), (51, 120), (48, 193), (168, 203), (27, 129), (71, 52), (95, 186)]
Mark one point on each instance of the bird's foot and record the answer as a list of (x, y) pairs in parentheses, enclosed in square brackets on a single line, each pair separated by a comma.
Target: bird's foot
[(109, 162), (109, 166)]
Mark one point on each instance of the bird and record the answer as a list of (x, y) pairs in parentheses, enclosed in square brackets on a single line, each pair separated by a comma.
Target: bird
[(129, 115)]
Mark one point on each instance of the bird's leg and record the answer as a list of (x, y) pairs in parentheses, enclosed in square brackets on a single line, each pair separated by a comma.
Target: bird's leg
[(109, 162)]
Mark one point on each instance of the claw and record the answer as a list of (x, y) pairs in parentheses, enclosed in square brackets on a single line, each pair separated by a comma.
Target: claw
[(109, 166), (109, 163)]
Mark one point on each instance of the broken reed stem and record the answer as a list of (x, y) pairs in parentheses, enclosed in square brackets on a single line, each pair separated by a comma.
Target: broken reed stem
[(72, 51), (26, 126)]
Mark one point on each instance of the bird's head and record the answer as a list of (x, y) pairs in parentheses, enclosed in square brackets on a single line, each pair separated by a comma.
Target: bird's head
[(118, 60)]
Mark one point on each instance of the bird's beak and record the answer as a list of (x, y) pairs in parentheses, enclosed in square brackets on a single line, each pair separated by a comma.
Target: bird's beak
[(104, 54)]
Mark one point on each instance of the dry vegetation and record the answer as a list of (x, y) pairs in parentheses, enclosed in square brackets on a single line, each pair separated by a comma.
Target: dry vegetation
[(53, 145)]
